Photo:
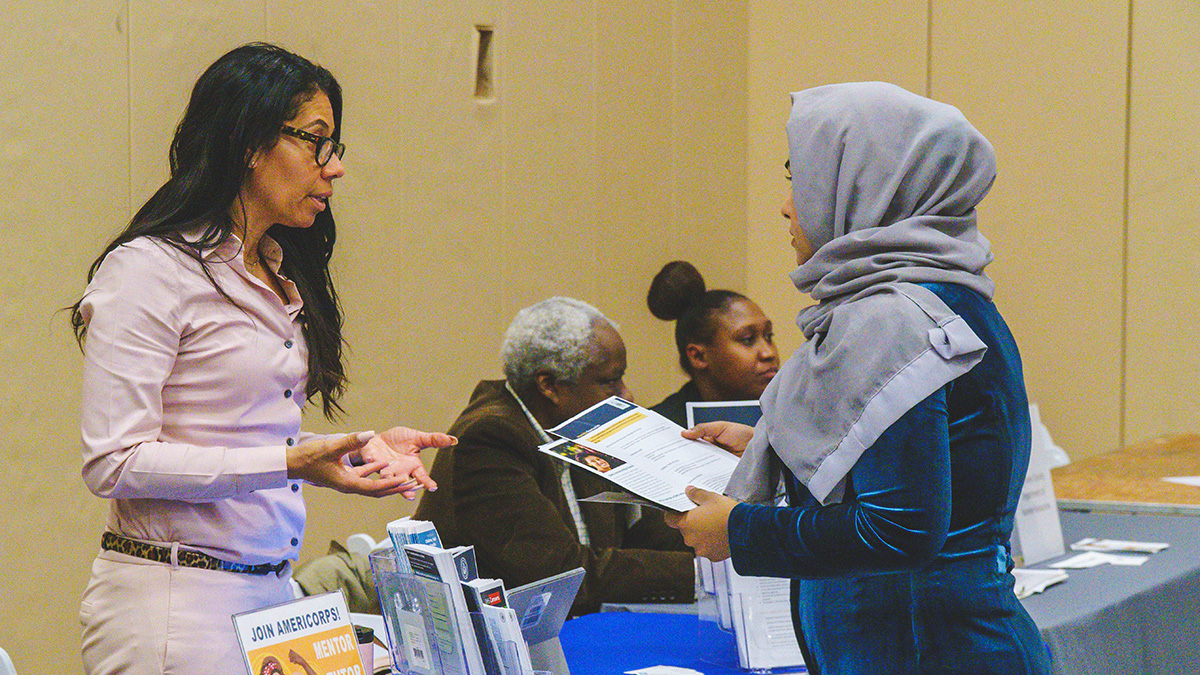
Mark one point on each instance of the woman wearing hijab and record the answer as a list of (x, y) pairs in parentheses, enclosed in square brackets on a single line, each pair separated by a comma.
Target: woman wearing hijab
[(901, 429)]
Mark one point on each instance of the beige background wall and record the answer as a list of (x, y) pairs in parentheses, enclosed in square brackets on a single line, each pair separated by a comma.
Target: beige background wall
[(1051, 86), (615, 142), (621, 136)]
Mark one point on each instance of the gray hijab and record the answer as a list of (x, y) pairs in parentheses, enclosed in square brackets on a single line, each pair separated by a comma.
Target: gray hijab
[(885, 183)]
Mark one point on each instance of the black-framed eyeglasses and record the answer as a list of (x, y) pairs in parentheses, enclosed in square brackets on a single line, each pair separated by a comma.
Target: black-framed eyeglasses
[(326, 147)]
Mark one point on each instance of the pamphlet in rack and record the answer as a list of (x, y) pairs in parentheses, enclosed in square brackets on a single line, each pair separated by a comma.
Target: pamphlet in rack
[(442, 619), (757, 610)]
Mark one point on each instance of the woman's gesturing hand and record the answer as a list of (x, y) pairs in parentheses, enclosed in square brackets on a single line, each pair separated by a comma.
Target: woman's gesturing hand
[(346, 464), (399, 448), (731, 436)]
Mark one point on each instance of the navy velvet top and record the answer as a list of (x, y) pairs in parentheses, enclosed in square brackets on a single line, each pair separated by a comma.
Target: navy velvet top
[(909, 573)]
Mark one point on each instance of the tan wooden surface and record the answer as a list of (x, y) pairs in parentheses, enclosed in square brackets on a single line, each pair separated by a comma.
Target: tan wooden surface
[(1135, 474)]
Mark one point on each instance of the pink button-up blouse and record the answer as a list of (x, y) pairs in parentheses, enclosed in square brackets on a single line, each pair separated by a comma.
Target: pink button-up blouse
[(190, 401)]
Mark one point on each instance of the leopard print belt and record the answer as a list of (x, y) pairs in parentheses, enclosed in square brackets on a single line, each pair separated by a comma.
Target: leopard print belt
[(185, 558)]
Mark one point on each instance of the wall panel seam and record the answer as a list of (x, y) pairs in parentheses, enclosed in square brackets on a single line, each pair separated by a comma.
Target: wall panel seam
[(1123, 375), (128, 108), (929, 48)]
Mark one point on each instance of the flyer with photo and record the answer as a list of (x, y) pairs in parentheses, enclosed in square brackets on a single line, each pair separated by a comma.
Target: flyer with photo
[(309, 636), (642, 452)]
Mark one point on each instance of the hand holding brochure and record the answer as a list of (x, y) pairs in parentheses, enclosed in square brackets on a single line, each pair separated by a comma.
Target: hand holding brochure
[(642, 452)]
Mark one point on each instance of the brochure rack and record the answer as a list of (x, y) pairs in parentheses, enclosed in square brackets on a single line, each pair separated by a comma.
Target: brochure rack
[(745, 622), (423, 638)]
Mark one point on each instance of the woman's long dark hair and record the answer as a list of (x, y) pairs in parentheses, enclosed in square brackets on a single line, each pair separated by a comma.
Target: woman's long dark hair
[(678, 293), (237, 108)]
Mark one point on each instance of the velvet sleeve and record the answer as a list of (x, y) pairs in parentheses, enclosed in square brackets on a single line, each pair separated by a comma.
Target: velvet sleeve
[(896, 515)]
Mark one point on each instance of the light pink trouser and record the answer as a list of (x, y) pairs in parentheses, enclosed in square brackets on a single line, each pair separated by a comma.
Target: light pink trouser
[(147, 618)]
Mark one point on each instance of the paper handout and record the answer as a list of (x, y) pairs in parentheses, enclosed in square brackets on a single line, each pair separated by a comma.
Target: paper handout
[(642, 452), (1031, 581), (1110, 545)]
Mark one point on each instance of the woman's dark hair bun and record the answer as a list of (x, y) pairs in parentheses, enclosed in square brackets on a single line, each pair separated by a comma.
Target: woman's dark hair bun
[(677, 286)]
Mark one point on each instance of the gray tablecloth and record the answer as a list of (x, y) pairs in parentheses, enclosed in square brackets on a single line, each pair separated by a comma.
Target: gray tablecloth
[(1116, 620)]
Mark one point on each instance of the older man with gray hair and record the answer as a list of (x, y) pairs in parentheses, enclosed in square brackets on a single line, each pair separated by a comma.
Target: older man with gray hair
[(519, 507)]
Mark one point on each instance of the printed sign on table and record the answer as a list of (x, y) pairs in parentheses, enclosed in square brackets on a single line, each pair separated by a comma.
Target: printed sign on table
[(309, 636)]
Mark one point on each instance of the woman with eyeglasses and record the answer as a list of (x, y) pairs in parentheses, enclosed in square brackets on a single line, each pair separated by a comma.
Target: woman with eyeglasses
[(901, 429), (206, 327)]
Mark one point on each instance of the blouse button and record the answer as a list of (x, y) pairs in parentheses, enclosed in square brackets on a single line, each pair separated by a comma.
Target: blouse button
[(287, 344), (287, 393), (291, 441), (295, 541), (295, 487)]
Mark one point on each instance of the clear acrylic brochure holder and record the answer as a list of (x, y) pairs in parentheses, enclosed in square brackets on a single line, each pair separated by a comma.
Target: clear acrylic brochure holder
[(732, 634), (418, 614)]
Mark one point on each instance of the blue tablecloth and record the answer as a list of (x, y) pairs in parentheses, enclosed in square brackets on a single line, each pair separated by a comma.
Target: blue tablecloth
[(615, 642), (1107, 620)]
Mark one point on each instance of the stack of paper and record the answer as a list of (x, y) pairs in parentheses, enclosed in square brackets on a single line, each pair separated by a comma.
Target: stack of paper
[(1118, 545), (1109, 552)]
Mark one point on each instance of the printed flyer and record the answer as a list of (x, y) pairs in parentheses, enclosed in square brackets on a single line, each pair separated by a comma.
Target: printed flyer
[(309, 636)]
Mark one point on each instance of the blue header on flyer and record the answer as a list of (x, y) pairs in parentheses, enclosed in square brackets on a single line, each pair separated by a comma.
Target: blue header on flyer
[(598, 415)]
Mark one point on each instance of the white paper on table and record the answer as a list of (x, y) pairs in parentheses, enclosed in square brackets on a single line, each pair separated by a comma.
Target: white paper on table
[(642, 452), (663, 670), (1193, 481), (1095, 558), (1105, 545), (1127, 560), (1081, 561), (1031, 581)]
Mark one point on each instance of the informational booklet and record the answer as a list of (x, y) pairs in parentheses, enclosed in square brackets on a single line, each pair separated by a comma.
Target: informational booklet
[(452, 567), (642, 452), (309, 635), (1031, 581), (404, 531)]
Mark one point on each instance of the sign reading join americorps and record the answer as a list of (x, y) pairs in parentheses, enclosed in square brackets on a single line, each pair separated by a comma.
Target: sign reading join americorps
[(313, 633)]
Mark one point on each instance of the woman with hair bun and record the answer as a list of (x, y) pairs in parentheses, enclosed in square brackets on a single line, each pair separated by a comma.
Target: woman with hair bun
[(726, 344)]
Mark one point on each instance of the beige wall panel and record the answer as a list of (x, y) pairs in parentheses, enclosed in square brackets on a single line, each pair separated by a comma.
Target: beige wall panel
[(1164, 241), (455, 213), (549, 187), (1046, 84), (793, 46), (703, 219), (417, 225), (632, 215), (171, 43), (65, 116)]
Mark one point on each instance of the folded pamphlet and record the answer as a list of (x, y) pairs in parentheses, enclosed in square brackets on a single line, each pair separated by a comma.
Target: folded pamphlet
[(642, 452)]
